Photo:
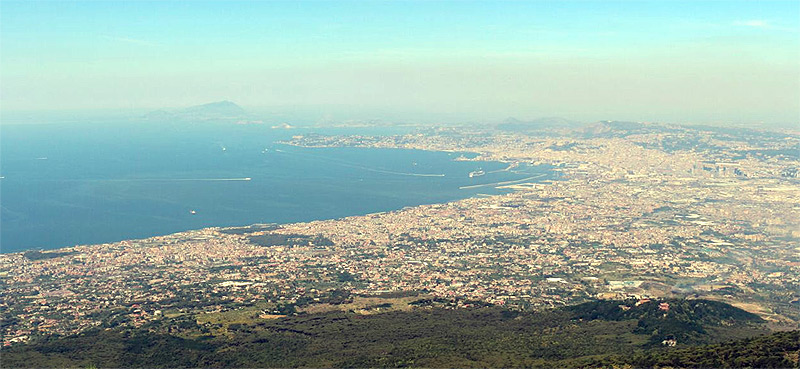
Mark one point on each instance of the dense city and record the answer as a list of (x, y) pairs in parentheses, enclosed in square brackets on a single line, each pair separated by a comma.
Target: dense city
[(638, 210)]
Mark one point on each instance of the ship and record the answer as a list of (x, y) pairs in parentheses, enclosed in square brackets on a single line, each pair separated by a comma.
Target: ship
[(476, 173)]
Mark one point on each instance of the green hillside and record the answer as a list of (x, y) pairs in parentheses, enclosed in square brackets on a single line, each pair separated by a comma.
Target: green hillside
[(591, 334), (778, 350)]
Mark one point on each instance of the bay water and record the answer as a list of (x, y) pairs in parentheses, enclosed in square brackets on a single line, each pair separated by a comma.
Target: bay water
[(70, 184)]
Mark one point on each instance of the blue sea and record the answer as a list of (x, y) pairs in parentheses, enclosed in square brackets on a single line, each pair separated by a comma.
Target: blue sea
[(72, 184)]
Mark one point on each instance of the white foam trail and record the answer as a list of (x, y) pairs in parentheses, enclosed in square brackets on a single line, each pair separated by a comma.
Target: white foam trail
[(356, 166), (201, 179), (506, 169), (500, 183), (161, 180), (397, 173)]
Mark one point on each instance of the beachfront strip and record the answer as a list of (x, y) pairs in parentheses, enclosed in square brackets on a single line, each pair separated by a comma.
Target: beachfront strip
[(660, 211)]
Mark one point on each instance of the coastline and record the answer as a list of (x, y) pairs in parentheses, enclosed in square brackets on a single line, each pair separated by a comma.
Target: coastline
[(389, 194), (623, 221), (503, 186)]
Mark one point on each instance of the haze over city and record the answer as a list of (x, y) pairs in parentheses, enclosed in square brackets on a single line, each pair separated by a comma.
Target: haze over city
[(683, 62), (387, 184)]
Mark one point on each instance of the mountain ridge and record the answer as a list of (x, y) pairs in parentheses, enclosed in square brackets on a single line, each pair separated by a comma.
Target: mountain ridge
[(218, 110)]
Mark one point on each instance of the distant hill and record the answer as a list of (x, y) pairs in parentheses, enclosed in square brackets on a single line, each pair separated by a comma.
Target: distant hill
[(225, 108), (566, 127), (547, 123), (220, 110), (431, 335), (615, 128)]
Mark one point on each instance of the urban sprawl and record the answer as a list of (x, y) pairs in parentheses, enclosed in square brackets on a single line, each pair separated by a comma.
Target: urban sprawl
[(637, 210)]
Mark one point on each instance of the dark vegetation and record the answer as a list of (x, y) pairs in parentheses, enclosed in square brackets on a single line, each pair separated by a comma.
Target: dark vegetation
[(603, 333), (688, 322), (250, 229), (593, 334), (777, 350), (39, 255), (277, 239)]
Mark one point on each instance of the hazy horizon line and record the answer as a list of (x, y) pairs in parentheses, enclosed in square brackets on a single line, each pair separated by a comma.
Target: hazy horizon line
[(317, 115)]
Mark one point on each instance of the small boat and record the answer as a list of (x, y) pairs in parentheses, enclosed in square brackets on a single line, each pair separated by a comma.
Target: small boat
[(476, 173), (192, 212)]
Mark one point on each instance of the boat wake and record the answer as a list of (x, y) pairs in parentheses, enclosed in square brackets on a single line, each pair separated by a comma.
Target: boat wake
[(159, 180), (357, 166), (500, 183)]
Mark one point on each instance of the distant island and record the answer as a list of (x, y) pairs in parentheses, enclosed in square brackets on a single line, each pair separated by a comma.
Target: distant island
[(220, 110)]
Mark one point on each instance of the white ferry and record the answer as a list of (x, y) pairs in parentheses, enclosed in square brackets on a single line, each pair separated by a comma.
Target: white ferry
[(476, 173)]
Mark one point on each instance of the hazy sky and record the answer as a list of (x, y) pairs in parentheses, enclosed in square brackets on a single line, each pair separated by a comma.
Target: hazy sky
[(670, 61)]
